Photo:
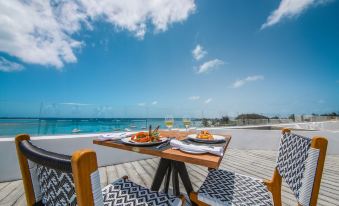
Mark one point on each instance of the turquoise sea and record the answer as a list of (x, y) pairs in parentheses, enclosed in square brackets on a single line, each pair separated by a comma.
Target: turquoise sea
[(10, 127)]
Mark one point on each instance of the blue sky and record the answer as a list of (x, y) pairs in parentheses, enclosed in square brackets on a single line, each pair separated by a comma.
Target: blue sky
[(174, 57)]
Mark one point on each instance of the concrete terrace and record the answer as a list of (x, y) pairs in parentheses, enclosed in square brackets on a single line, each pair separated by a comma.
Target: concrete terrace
[(256, 163)]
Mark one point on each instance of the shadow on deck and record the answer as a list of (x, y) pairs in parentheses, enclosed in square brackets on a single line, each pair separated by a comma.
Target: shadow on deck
[(256, 163)]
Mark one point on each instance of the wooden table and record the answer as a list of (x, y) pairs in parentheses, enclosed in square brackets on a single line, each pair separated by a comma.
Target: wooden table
[(172, 161)]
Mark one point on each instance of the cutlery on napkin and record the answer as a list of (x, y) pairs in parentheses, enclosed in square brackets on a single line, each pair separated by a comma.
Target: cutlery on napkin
[(165, 143), (176, 144), (114, 136)]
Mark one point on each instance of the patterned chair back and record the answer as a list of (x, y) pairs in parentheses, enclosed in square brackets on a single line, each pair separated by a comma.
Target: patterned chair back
[(48, 177), (297, 164)]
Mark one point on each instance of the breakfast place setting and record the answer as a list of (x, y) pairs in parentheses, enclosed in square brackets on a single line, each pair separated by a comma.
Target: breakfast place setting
[(175, 148)]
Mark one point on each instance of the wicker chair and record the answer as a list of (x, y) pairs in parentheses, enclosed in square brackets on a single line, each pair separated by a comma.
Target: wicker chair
[(300, 163), (56, 179)]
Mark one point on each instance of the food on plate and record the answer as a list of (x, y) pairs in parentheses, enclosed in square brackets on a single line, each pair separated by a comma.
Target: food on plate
[(141, 137), (204, 134), (144, 137)]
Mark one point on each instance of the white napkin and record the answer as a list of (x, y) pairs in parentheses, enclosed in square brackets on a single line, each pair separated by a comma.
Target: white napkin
[(176, 144), (114, 136)]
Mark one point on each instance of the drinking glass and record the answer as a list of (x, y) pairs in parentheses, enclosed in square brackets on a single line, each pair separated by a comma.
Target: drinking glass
[(187, 122), (169, 122)]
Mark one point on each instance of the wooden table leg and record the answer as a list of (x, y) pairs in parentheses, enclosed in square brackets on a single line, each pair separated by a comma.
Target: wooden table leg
[(175, 179), (167, 179), (174, 169), (160, 174), (184, 176)]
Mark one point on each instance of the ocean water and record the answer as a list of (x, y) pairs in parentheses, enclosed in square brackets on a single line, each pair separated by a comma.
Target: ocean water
[(57, 126)]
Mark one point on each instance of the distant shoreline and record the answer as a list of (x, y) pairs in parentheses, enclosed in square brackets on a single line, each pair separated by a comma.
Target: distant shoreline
[(86, 118)]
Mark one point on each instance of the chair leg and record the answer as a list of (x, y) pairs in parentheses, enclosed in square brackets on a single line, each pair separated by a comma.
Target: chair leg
[(274, 186), (183, 200), (194, 199)]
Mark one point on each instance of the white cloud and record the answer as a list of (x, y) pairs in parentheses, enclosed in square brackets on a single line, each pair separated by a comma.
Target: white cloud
[(199, 52), (75, 104), (209, 66), (290, 9), (154, 102), (8, 66), (194, 98), (242, 82), (134, 15), (41, 32), (30, 31), (207, 101), (141, 104)]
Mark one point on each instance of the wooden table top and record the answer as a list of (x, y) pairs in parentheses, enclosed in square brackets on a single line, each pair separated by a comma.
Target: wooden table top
[(207, 160)]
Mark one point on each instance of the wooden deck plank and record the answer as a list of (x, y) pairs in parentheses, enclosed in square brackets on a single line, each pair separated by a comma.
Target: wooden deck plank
[(254, 163), (103, 176), (3, 184), (132, 174), (149, 170), (152, 163), (145, 177), (14, 195), (120, 170), (10, 188), (112, 174), (20, 201)]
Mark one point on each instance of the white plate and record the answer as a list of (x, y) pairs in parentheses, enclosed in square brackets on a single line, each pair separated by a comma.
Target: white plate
[(192, 152), (216, 138), (128, 140)]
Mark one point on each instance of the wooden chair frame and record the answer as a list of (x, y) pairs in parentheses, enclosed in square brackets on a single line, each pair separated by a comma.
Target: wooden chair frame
[(84, 163), (274, 185)]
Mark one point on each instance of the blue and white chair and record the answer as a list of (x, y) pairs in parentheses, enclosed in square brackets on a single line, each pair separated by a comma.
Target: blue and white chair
[(300, 164), (56, 179)]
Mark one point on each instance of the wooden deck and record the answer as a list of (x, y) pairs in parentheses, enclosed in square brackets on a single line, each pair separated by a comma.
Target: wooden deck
[(254, 163)]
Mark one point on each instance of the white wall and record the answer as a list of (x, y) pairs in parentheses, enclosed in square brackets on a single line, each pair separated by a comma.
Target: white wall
[(246, 139), (9, 167)]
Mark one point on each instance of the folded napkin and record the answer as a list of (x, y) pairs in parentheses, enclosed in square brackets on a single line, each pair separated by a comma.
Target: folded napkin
[(114, 136), (176, 144)]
